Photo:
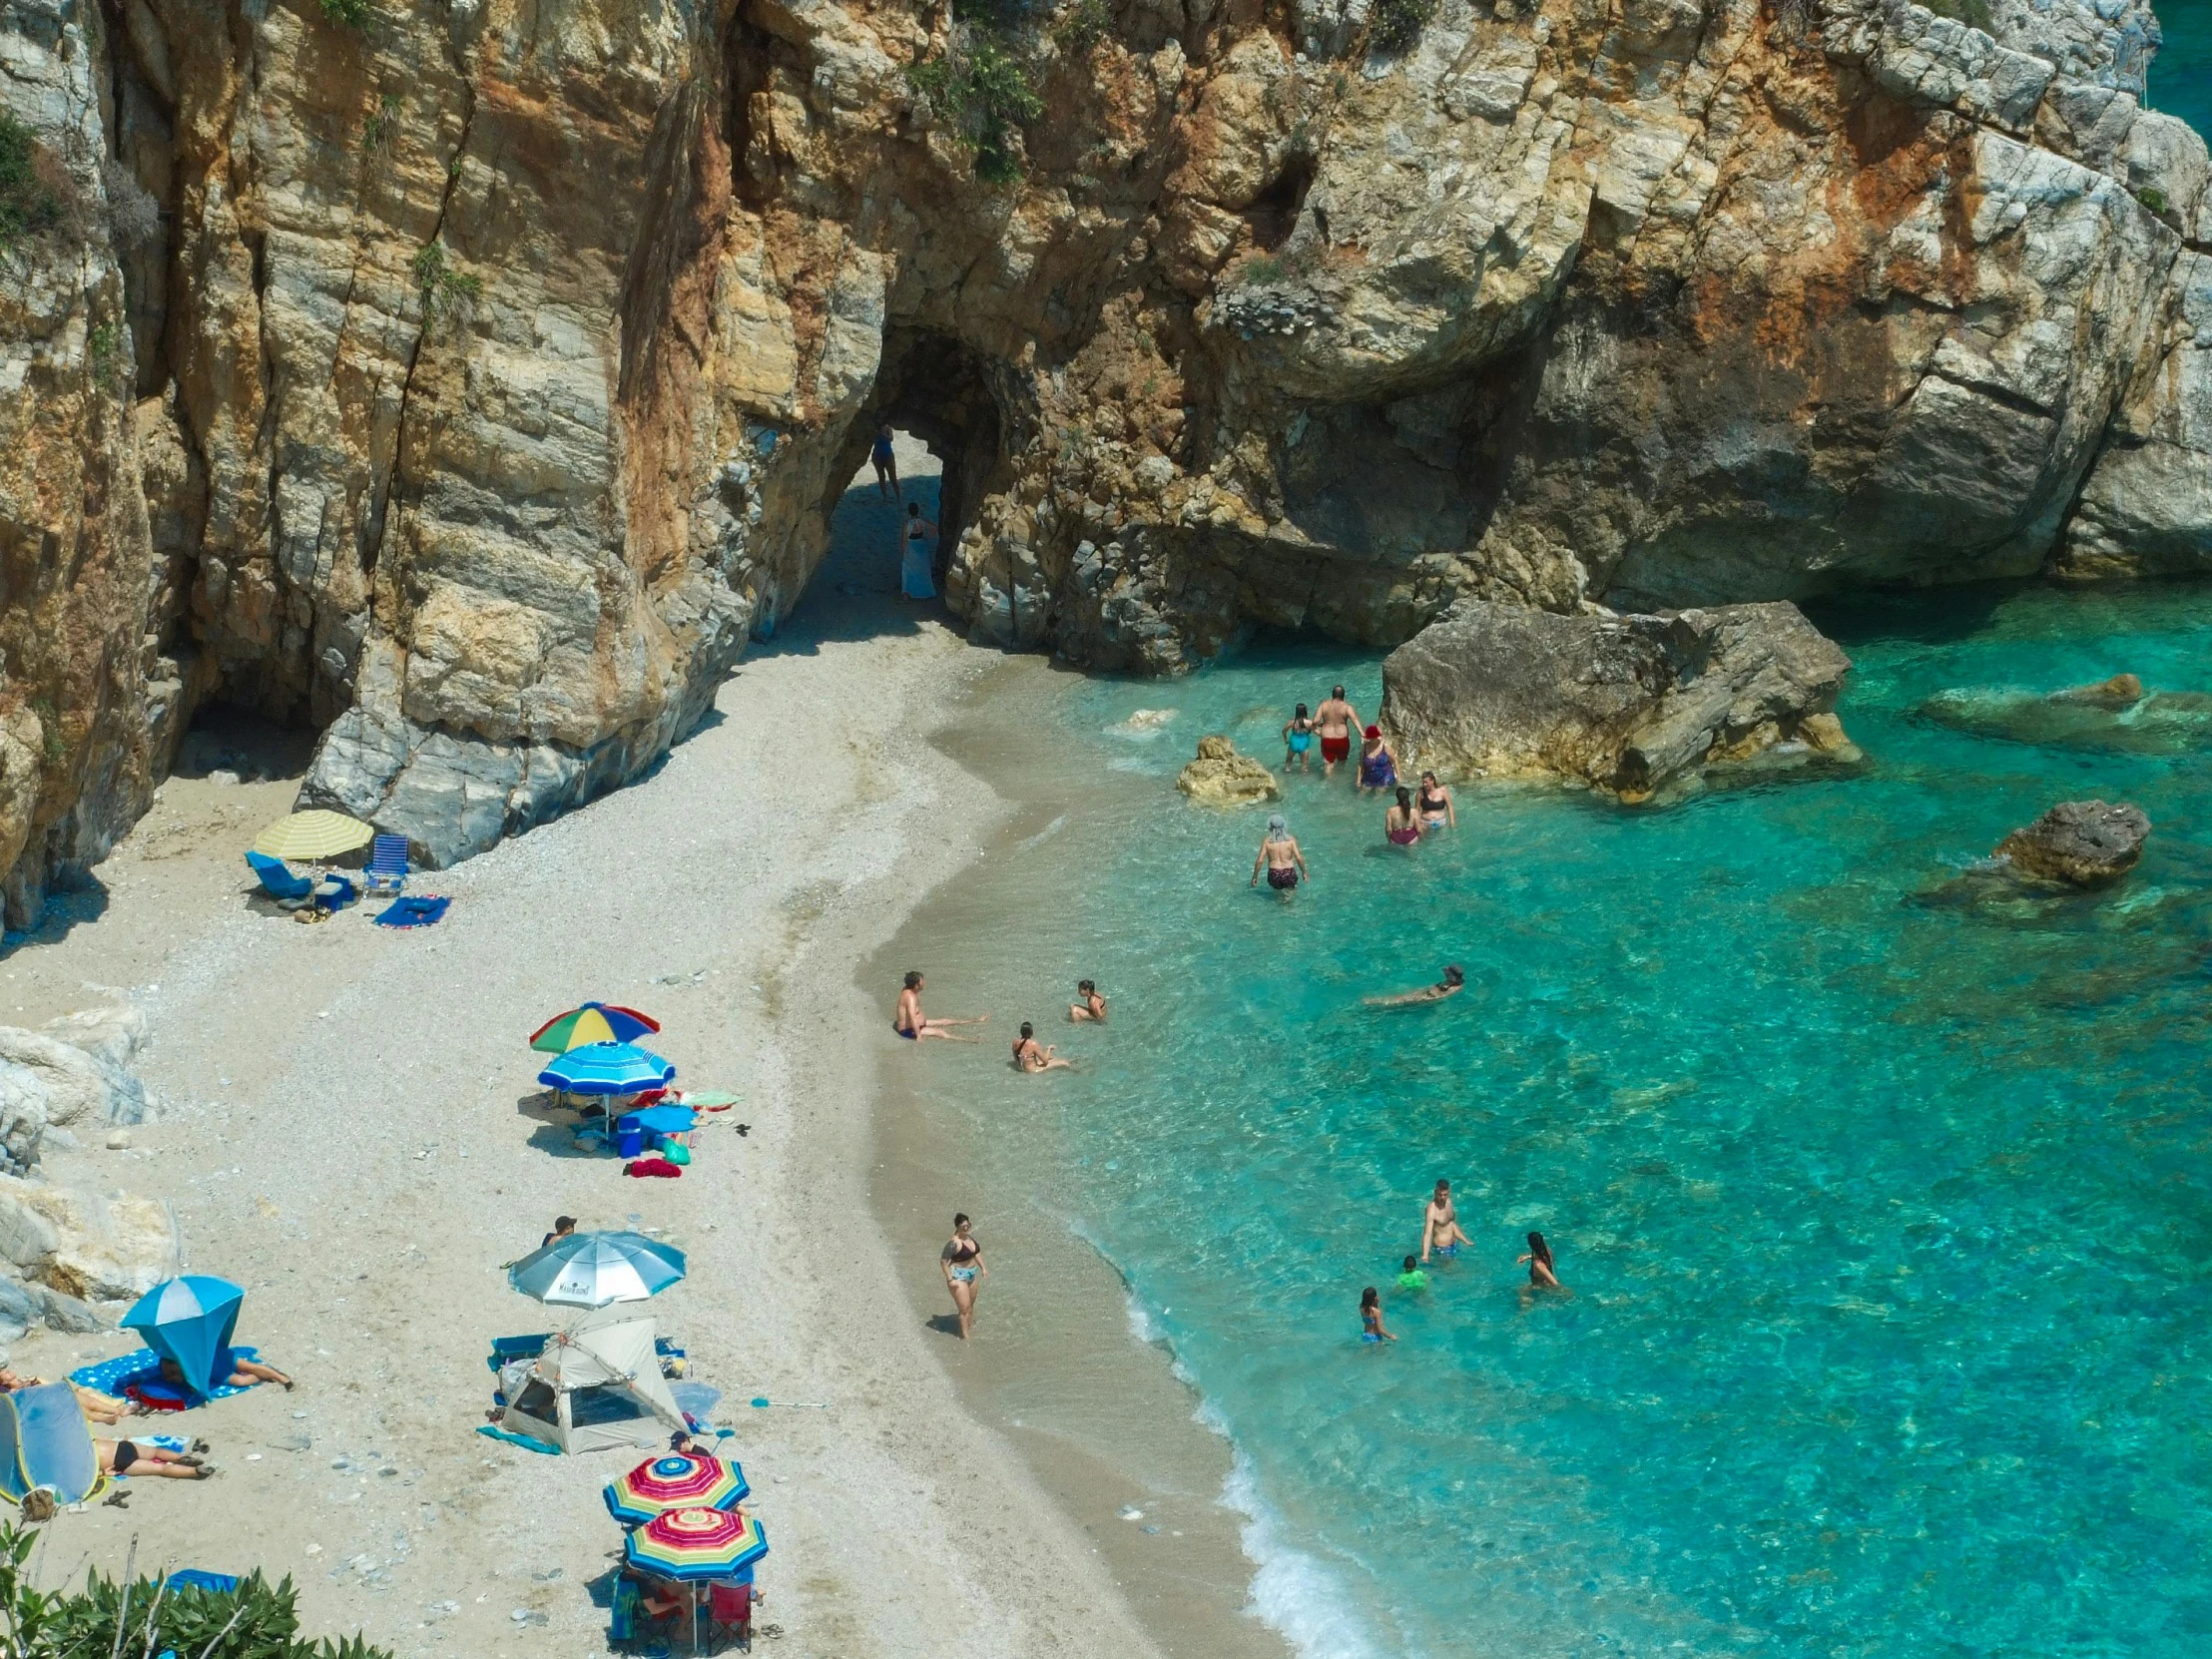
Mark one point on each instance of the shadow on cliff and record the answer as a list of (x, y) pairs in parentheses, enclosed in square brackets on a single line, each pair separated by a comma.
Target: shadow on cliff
[(86, 900), (853, 594)]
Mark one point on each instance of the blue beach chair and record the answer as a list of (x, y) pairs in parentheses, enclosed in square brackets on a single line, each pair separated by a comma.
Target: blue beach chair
[(279, 882), (387, 863)]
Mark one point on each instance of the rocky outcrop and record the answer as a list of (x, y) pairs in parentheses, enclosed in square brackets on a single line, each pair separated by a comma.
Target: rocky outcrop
[(2078, 843), (2118, 716), (489, 369), (1221, 777), (1628, 704)]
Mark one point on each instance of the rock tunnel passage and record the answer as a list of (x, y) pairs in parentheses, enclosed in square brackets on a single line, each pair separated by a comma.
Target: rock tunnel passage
[(854, 592)]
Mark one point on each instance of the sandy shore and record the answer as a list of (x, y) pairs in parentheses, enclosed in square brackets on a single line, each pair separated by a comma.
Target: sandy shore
[(349, 1128)]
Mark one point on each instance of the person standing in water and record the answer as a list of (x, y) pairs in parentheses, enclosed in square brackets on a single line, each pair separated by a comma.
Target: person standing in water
[(1436, 810), (1031, 1055), (1451, 985), (909, 1021), (1279, 856), (1399, 827), (1297, 741), (1371, 1318), (1377, 766), (1337, 721), (913, 564), (1413, 1279), (962, 1262), (1440, 1225), (1541, 1274), (1091, 1005), (886, 459)]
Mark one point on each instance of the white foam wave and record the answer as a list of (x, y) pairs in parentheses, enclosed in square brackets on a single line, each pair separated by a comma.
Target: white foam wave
[(1294, 1590), (1046, 833)]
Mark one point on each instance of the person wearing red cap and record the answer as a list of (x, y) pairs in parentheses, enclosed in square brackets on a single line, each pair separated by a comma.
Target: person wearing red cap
[(1377, 766)]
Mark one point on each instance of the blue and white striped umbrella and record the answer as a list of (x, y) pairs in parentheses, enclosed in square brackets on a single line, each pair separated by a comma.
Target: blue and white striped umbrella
[(590, 1270), (608, 1068), (190, 1320)]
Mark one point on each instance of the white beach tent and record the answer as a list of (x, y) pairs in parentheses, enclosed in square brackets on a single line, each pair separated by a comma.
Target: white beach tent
[(598, 1384)]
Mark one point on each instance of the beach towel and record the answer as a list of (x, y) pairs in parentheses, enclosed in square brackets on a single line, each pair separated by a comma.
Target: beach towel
[(652, 1166), (137, 1375), (522, 1441), (415, 910)]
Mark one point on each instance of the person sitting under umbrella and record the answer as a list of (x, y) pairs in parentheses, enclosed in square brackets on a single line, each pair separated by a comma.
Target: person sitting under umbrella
[(232, 1373)]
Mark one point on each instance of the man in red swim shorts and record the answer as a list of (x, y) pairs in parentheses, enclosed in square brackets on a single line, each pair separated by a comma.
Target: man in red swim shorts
[(1336, 719)]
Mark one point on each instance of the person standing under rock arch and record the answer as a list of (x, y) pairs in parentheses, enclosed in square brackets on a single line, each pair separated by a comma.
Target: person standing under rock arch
[(886, 459), (914, 563)]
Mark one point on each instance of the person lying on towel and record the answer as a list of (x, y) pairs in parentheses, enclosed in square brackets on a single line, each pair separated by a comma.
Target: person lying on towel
[(243, 1374)]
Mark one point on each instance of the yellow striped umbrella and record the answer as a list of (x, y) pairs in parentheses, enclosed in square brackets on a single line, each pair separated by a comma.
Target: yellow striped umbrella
[(320, 834)]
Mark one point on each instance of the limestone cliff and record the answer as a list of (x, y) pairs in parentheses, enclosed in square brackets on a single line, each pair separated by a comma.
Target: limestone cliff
[(495, 365)]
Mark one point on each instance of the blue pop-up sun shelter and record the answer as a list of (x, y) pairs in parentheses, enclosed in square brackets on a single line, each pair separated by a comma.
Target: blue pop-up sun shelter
[(190, 1320)]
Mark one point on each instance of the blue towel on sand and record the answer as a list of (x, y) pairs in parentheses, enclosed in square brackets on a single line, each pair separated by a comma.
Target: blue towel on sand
[(412, 912), (142, 1365), (522, 1441)]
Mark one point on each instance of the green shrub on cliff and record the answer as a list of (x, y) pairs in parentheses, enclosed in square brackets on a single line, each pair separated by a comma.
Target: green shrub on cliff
[(981, 95), (1396, 25), (441, 288), (27, 204), (254, 1621), (1083, 25), (351, 14), (1974, 14)]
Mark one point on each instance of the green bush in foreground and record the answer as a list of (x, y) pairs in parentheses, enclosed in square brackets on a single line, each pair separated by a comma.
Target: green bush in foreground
[(254, 1621), (352, 14), (982, 95)]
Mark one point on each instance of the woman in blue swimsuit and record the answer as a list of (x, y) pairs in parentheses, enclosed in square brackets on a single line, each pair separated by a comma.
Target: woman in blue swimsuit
[(1377, 766), (1371, 1318), (886, 465), (1297, 741)]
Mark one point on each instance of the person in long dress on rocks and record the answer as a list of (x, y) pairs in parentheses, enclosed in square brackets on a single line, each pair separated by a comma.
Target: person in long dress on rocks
[(914, 563)]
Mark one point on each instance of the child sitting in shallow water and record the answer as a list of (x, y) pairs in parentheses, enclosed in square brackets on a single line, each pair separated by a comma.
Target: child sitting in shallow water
[(1091, 1005)]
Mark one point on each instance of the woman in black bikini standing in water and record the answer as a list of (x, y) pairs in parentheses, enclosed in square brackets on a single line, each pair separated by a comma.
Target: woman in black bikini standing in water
[(962, 1262), (1436, 810)]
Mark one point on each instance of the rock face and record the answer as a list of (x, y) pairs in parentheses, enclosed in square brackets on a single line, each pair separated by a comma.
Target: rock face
[(2081, 843), (1221, 777), (1622, 703), (471, 381)]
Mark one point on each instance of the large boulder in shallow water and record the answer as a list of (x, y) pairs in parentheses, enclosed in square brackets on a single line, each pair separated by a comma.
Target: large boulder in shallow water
[(2116, 714), (1221, 777), (2081, 843), (1624, 703)]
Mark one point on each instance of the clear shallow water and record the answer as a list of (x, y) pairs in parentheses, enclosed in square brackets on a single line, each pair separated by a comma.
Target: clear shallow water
[(1888, 1220), (2181, 75)]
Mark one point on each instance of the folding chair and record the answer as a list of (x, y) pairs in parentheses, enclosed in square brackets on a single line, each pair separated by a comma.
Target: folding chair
[(387, 863)]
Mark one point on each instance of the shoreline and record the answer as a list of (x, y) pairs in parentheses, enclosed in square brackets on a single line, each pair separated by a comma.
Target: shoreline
[(347, 1129), (1072, 1374)]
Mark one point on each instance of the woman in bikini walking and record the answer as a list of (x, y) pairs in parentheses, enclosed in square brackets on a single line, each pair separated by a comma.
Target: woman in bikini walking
[(963, 1261)]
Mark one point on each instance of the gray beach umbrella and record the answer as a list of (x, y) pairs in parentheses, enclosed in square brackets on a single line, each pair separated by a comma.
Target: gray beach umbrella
[(590, 1270)]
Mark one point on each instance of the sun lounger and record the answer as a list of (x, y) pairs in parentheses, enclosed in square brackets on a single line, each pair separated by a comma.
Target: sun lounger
[(279, 882), (387, 863)]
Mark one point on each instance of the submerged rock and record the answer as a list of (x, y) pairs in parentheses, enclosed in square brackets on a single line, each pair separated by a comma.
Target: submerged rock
[(1221, 777), (2080, 844), (2116, 714), (1623, 703)]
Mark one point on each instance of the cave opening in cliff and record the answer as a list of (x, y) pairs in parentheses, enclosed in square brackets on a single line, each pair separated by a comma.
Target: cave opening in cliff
[(933, 397)]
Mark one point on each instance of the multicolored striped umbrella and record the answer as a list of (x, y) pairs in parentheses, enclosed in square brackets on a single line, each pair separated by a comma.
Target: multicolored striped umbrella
[(592, 1022), (675, 1481), (696, 1543), (608, 1068)]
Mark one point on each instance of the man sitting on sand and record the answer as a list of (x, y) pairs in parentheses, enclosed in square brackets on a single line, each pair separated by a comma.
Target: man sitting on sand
[(563, 1226), (1031, 1055), (1440, 1225), (1450, 984), (911, 1023)]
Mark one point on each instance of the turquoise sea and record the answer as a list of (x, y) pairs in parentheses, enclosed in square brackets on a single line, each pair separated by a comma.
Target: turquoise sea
[(2181, 75), (1887, 1212)]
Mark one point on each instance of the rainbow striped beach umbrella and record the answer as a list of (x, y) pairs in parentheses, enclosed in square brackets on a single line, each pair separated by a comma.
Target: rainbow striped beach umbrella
[(696, 1543), (675, 1481), (591, 1023)]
